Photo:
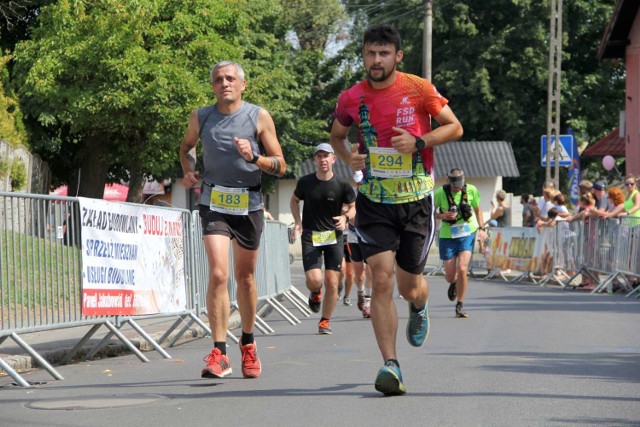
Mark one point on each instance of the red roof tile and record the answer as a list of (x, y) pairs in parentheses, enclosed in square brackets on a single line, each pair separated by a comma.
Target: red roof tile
[(610, 145)]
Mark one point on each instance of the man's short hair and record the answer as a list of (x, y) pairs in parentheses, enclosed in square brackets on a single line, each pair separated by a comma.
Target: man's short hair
[(227, 63), (382, 34)]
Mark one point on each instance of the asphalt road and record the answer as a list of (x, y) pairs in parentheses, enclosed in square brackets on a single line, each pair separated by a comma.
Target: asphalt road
[(527, 356)]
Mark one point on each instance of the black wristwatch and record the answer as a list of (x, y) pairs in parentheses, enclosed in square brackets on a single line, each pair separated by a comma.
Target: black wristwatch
[(419, 143), (255, 159)]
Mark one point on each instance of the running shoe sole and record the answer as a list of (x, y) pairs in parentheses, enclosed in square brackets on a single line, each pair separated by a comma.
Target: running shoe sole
[(389, 383), (206, 373)]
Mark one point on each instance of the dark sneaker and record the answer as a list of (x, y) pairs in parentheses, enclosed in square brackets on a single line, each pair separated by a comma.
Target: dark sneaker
[(346, 301), (251, 367), (315, 300), (340, 288), (452, 293), (418, 325), (360, 300), (324, 328), (218, 365), (460, 311), (366, 308), (389, 380)]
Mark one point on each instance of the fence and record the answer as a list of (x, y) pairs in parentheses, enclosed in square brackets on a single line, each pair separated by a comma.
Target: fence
[(41, 278), (604, 252)]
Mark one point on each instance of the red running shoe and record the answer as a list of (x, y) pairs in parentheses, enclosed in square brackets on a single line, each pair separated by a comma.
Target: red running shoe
[(218, 365), (251, 367)]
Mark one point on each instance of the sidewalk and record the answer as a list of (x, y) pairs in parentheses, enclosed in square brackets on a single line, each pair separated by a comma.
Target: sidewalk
[(55, 345)]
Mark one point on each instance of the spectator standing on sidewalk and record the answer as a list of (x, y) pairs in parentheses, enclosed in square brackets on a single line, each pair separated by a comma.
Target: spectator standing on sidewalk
[(458, 205), (327, 210), (393, 111), (631, 205), (231, 205), (599, 192), (500, 215), (528, 218)]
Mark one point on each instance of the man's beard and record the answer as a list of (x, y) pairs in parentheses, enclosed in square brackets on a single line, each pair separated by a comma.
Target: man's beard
[(382, 77)]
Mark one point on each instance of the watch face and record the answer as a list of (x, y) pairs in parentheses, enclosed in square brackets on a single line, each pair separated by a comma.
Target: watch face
[(419, 144)]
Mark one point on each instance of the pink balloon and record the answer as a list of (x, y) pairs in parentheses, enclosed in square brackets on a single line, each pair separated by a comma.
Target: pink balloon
[(608, 162)]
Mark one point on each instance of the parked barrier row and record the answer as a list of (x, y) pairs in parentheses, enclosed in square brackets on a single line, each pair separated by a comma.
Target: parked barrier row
[(603, 252), (41, 278)]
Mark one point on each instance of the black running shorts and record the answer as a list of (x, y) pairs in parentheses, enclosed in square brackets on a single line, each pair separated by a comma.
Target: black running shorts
[(406, 229), (247, 229)]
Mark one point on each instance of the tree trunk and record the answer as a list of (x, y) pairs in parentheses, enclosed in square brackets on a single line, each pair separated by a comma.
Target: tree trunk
[(92, 164)]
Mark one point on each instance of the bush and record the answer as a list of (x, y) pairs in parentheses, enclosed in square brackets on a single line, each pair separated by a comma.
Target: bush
[(18, 175), (4, 168)]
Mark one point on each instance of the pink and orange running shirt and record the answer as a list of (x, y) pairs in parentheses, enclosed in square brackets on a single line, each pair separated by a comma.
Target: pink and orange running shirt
[(408, 103)]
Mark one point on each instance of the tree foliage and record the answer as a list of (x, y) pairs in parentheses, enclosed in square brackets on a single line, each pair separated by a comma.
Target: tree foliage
[(108, 85)]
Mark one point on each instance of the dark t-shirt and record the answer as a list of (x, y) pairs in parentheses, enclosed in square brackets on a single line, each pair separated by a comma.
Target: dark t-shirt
[(322, 201)]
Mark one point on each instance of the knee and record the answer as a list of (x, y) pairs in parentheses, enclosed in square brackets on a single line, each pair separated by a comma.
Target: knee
[(218, 277)]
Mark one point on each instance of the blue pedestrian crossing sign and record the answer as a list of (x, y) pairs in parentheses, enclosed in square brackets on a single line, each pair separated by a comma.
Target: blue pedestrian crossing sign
[(566, 150)]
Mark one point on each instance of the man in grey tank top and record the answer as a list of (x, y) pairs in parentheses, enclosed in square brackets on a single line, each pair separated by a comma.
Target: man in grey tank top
[(231, 207)]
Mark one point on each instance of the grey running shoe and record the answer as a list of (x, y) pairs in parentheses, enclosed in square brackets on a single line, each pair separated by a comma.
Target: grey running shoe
[(452, 293), (418, 325), (360, 300), (324, 328), (389, 380), (346, 301), (366, 308), (340, 288), (460, 311)]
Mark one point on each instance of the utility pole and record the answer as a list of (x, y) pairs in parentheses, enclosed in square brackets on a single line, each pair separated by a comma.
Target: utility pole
[(427, 39), (553, 91)]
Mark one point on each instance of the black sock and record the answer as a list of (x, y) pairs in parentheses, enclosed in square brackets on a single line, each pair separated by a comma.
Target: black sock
[(323, 318), (247, 338), (416, 310), (394, 361), (221, 345)]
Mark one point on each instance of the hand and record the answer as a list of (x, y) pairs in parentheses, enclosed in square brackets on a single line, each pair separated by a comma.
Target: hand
[(357, 159), (448, 215), (244, 148), (404, 142), (297, 230), (190, 179), (341, 222)]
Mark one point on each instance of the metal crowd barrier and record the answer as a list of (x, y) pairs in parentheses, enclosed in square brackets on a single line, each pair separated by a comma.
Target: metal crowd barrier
[(41, 279), (606, 251)]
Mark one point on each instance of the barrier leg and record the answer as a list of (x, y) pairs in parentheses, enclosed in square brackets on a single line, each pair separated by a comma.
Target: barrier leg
[(41, 361), (80, 343), (303, 309), (275, 304), (148, 339), (13, 374)]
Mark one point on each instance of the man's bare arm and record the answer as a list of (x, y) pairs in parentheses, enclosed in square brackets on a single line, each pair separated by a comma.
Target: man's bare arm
[(273, 163)]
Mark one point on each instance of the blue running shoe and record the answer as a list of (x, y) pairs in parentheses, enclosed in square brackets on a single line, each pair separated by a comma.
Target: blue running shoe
[(418, 326), (389, 380)]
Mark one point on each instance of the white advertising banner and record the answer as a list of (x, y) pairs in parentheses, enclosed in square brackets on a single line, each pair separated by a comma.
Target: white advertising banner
[(132, 259), (517, 248)]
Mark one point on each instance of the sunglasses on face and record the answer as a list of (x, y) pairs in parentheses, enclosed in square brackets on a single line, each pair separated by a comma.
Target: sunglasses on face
[(629, 184)]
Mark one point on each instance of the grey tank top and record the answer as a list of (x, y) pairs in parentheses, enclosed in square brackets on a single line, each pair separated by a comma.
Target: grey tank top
[(223, 165)]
